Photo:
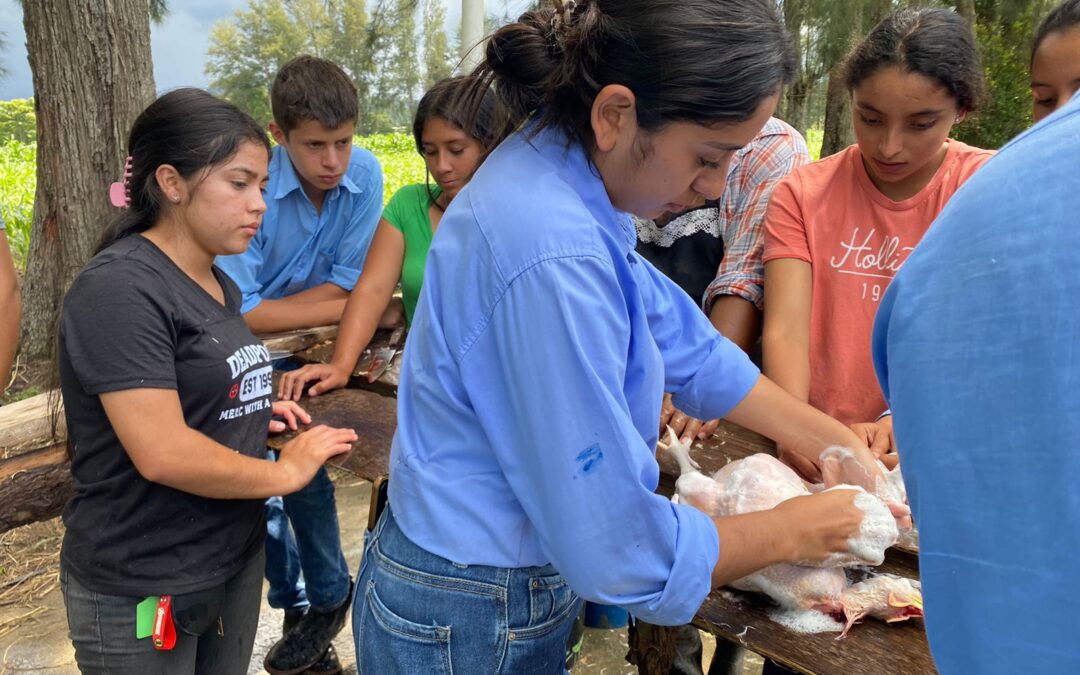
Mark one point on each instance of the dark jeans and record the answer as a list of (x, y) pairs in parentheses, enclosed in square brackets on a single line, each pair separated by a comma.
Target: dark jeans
[(102, 628)]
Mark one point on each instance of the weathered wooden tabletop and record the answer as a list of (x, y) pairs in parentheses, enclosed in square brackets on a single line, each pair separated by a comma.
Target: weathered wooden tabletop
[(372, 415)]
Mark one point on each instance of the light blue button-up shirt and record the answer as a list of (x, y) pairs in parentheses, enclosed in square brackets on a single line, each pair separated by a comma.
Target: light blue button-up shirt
[(977, 346), (297, 247), (531, 388)]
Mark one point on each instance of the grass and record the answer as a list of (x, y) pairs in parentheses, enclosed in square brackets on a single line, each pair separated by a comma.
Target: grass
[(396, 152)]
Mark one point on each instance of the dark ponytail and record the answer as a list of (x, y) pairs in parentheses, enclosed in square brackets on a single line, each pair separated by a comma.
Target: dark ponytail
[(1061, 18), (701, 61), (935, 43), (188, 129)]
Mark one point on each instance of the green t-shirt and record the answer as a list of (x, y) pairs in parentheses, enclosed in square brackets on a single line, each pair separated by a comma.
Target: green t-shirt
[(408, 212)]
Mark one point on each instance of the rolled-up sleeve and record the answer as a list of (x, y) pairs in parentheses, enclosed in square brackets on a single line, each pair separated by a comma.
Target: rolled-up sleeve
[(546, 377)]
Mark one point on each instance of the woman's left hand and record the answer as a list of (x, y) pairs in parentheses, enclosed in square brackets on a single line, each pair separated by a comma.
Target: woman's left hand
[(291, 412)]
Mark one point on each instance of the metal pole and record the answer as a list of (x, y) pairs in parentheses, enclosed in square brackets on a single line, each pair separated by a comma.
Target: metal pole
[(472, 31)]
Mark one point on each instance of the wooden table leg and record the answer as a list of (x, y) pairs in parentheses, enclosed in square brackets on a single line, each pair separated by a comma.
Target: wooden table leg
[(652, 648)]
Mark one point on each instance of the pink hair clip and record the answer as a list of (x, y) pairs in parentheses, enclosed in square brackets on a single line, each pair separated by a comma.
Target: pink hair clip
[(120, 193)]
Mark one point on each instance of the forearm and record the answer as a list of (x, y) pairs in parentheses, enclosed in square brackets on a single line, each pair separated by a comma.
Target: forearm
[(794, 425), (10, 313), (358, 323), (276, 316), (201, 466), (737, 319), (749, 542), (786, 361)]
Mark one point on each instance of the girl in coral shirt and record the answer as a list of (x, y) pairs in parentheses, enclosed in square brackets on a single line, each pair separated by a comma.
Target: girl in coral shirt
[(838, 230)]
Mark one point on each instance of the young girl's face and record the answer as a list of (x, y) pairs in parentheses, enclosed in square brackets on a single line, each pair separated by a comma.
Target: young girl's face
[(451, 154), (901, 121), (224, 208), (1055, 71)]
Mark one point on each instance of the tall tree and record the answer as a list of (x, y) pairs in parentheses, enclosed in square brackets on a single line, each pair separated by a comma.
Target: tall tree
[(92, 75), (438, 59)]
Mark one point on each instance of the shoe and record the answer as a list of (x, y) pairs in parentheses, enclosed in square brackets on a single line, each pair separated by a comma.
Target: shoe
[(327, 665), (308, 641)]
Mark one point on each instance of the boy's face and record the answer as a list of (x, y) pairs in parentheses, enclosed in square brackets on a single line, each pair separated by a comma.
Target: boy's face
[(319, 155)]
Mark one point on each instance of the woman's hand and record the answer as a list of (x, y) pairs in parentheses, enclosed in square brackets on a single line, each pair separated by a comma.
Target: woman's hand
[(824, 522), (877, 435), (327, 377), (291, 412), (301, 457), (685, 427)]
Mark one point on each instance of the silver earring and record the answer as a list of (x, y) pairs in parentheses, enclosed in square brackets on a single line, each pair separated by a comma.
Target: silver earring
[(175, 198)]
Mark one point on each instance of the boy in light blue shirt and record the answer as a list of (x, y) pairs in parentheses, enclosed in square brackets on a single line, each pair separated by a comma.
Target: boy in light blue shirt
[(324, 200)]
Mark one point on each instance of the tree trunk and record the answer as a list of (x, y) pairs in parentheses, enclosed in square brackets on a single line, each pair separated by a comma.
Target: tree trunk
[(838, 132), (93, 74), (966, 9), (795, 103), (34, 487)]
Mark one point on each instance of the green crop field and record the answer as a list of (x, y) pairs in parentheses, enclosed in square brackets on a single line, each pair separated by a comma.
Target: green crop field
[(396, 153)]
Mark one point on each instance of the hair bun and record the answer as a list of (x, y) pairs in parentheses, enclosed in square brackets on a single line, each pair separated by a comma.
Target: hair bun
[(523, 56)]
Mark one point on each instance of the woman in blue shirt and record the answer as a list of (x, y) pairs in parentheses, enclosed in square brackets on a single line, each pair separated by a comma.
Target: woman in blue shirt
[(523, 473)]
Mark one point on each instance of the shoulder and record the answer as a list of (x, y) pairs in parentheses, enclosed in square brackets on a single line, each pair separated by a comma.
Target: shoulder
[(969, 158), (410, 194), (825, 175), (128, 269), (363, 166), (523, 201)]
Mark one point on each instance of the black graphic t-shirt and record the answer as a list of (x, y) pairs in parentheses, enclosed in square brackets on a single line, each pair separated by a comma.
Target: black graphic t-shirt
[(134, 320)]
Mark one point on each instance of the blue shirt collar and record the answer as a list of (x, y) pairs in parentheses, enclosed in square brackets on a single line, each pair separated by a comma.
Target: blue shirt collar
[(286, 180), (584, 178)]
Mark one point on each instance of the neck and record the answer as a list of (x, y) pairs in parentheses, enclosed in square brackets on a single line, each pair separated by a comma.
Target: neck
[(313, 193), (913, 184), (172, 238)]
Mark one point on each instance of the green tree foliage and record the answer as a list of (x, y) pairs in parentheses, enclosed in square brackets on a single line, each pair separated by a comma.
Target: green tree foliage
[(383, 52), (18, 120)]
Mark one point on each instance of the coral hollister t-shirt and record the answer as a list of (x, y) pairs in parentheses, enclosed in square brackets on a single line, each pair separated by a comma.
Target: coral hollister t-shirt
[(831, 215)]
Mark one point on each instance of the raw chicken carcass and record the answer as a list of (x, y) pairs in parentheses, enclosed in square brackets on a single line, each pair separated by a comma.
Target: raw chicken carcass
[(886, 597), (761, 482)]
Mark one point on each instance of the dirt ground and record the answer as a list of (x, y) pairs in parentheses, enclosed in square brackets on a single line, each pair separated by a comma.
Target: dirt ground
[(33, 625)]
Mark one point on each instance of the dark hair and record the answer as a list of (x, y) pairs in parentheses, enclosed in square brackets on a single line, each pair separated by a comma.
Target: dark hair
[(1061, 18), (446, 99), (702, 61), (310, 88), (935, 43), (449, 99), (188, 129)]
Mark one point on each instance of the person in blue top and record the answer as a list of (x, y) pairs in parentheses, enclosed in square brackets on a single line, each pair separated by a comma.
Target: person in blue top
[(522, 473), (323, 199), (977, 348)]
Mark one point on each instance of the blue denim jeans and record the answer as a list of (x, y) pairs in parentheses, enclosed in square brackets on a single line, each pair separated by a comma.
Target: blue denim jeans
[(304, 563), (102, 629), (415, 612)]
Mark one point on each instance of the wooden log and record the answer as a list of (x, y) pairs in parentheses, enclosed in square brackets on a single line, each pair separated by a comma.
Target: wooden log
[(27, 425), (34, 486)]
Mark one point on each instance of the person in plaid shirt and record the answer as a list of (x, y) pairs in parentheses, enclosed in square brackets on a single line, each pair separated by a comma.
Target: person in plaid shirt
[(713, 252)]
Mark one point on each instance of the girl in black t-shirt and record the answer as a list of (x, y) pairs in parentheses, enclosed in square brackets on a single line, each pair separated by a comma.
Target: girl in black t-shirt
[(167, 396)]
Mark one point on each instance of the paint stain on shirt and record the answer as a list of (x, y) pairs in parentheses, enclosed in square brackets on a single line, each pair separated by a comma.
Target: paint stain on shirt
[(588, 460)]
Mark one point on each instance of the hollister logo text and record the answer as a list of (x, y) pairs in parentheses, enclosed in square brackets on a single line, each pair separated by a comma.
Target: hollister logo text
[(870, 255)]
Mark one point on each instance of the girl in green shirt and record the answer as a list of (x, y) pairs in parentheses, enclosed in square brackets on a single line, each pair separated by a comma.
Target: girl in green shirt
[(452, 148)]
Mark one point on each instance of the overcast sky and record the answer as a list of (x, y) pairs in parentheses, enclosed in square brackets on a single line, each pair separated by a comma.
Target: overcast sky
[(178, 44)]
